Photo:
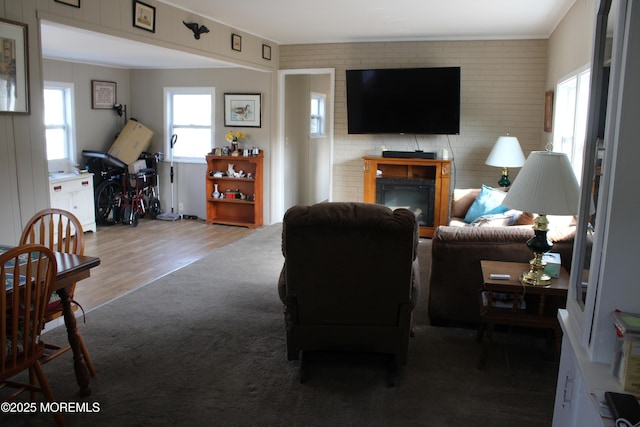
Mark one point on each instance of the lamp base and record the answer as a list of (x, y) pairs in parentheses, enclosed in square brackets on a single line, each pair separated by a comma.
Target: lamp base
[(539, 244), (504, 178), (536, 275)]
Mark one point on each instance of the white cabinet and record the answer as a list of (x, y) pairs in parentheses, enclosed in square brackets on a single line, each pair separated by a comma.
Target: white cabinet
[(578, 379), (74, 193), (589, 336), (565, 408)]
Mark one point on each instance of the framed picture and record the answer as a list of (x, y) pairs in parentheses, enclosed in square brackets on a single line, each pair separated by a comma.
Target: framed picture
[(103, 94), (14, 68), (74, 3), (266, 52), (548, 111), (236, 42), (144, 16), (242, 109)]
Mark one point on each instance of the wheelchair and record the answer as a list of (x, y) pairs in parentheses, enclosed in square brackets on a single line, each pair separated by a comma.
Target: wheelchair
[(120, 196)]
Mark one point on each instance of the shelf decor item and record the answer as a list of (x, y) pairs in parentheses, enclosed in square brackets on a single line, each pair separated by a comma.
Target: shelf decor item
[(14, 67), (242, 109), (234, 139)]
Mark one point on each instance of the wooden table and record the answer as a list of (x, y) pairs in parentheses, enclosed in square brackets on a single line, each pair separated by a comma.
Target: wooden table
[(542, 302), (71, 269)]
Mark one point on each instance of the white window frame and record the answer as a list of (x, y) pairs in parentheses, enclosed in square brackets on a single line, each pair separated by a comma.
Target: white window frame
[(570, 113), (69, 117), (168, 120), (321, 117)]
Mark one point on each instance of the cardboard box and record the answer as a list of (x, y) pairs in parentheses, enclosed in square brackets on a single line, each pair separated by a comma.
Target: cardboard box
[(134, 168), (132, 141), (553, 264)]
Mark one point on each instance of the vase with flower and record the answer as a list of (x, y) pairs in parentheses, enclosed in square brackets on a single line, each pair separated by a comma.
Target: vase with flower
[(234, 139)]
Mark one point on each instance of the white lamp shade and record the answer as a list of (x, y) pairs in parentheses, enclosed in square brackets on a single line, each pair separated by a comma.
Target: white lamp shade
[(506, 152), (546, 185)]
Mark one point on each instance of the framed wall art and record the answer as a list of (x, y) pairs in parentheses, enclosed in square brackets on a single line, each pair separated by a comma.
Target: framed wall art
[(242, 109), (266, 52), (144, 16), (74, 3), (236, 42), (14, 68), (103, 94), (548, 111)]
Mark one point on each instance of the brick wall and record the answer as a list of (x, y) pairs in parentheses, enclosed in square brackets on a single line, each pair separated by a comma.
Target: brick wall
[(503, 85)]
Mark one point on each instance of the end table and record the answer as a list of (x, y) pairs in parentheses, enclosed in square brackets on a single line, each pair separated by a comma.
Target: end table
[(539, 309)]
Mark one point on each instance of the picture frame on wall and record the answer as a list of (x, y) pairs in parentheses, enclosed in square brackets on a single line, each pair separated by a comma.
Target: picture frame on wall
[(14, 67), (548, 111), (103, 95), (236, 42), (144, 16), (74, 3), (242, 109), (266, 52)]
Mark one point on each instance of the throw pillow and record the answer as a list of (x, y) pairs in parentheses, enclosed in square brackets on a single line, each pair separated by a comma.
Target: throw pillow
[(488, 203)]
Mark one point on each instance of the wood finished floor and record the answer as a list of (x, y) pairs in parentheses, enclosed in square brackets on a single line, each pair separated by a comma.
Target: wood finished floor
[(134, 256)]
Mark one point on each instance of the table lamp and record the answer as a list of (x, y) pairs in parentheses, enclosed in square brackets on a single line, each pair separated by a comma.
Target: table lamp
[(546, 185), (506, 153)]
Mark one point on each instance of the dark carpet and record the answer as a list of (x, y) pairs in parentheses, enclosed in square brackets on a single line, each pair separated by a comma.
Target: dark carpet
[(205, 345)]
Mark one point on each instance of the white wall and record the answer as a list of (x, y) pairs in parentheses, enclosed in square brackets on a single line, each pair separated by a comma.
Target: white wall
[(189, 183), (95, 129)]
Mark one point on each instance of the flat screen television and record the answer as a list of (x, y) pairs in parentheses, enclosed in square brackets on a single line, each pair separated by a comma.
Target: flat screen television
[(404, 100)]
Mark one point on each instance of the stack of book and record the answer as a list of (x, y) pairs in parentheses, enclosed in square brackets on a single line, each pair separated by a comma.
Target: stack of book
[(626, 358)]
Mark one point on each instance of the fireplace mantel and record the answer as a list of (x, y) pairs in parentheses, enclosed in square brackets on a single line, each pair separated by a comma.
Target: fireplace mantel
[(408, 170)]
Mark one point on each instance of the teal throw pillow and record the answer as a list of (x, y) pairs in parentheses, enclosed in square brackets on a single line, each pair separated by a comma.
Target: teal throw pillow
[(489, 202)]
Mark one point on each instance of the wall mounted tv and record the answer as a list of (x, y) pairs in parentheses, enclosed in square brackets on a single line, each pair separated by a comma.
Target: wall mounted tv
[(404, 100)]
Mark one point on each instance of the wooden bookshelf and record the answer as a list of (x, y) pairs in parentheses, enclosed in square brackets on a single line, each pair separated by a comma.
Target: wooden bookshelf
[(242, 203)]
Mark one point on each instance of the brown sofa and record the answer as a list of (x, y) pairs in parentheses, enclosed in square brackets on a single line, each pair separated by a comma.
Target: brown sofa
[(349, 282), (457, 249)]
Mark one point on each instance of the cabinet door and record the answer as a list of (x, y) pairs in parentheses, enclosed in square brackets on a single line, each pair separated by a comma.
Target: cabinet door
[(564, 412), (82, 206), (59, 197)]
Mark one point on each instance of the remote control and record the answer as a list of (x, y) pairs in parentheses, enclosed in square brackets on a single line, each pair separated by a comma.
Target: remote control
[(500, 276)]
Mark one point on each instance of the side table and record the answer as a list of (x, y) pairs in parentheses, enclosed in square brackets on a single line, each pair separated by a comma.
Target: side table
[(539, 310)]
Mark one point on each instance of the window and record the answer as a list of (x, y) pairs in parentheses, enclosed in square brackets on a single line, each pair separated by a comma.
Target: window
[(317, 127), (189, 114), (570, 122), (58, 119)]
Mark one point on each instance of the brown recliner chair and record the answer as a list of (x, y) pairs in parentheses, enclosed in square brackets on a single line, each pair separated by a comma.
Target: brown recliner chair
[(350, 279)]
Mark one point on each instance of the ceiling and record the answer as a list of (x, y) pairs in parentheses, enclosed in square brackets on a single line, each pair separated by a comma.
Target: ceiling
[(330, 21)]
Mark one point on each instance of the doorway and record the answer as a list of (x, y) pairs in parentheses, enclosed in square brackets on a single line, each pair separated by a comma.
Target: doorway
[(305, 155)]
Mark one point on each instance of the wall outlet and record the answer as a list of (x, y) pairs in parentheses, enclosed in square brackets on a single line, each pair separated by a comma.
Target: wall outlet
[(180, 207)]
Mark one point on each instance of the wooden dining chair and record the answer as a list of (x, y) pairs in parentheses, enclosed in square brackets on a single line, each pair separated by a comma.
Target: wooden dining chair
[(60, 231), (27, 278)]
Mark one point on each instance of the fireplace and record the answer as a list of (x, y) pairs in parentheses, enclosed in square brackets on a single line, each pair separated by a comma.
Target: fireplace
[(417, 195)]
